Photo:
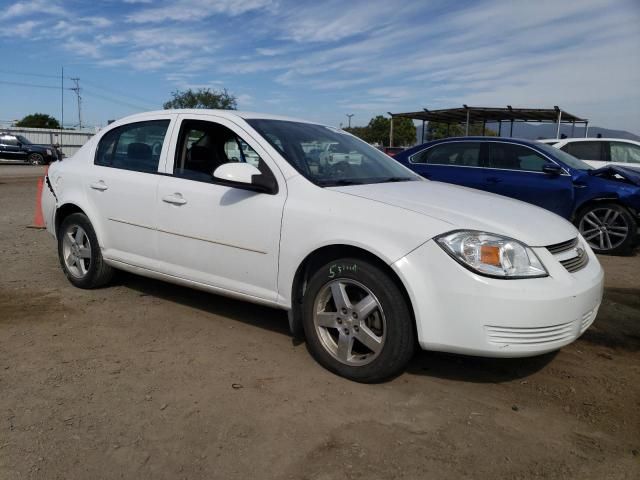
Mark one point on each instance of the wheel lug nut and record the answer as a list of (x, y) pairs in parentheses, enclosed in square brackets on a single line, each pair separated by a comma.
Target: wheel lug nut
[(354, 315), (356, 328), (344, 311), (346, 331), (339, 320)]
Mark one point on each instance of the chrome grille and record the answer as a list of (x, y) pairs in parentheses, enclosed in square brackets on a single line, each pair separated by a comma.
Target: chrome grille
[(563, 250), (563, 247), (576, 263)]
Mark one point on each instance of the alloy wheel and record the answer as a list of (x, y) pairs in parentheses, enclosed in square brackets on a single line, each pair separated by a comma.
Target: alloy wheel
[(36, 159), (350, 322), (76, 251), (604, 228)]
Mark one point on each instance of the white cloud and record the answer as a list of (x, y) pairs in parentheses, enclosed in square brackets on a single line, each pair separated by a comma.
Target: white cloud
[(21, 9), (194, 10)]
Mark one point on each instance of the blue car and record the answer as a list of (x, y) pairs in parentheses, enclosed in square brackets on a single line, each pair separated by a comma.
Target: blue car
[(603, 203)]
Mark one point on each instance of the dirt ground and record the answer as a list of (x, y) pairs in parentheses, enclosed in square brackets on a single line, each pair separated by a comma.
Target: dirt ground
[(149, 380)]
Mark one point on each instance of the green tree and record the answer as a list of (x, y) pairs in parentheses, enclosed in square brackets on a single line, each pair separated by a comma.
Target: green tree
[(38, 120), (202, 98), (437, 130), (378, 128)]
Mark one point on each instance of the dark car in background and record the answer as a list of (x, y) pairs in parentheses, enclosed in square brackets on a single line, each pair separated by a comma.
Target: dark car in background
[(17, 147), (603, 203)]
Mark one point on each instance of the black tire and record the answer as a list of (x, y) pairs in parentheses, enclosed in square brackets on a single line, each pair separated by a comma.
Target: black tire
[(36, 159), (603, 224), (97, 273), (399, 334)]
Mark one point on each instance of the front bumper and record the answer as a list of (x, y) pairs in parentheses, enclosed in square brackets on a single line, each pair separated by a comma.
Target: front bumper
[(459, 311)]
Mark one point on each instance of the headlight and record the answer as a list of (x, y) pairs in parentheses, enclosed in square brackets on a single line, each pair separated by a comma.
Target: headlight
[(49, 152), (492, 255)]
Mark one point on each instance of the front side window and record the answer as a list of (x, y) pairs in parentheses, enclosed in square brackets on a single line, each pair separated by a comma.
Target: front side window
[(203, 146), (509, 156), (460, 154), (329, 156), (584, 150), (23, 140), (625, 152), (136, 146)]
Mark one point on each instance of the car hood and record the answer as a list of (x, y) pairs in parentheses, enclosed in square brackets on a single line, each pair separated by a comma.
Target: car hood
[(630, 174), (466, 208), (38, 146)]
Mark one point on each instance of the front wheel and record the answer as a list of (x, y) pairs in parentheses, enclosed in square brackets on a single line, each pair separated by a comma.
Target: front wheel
[(79, 253), (357, 321), (608, 228), (36, 159)]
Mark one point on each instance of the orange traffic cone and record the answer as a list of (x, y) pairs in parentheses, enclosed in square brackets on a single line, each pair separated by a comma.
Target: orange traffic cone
[(38, 218)]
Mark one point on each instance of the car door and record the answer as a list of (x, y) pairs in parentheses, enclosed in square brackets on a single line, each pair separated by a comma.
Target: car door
[(515, 171), (214, 234), (122, 187), (458, 162), (624, 153)]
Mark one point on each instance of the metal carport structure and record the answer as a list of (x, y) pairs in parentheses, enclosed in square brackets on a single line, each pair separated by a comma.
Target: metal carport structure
[(467, 115)]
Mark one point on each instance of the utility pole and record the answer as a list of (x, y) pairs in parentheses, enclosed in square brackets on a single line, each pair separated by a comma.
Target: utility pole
[(349, 115), (61, 100), (77, 89)]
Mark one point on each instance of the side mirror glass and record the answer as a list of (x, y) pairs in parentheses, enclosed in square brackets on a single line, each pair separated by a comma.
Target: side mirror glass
[(552, 169), (245, 176)]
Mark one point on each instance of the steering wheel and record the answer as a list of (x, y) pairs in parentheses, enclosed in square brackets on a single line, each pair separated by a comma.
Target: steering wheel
[(156, 147)]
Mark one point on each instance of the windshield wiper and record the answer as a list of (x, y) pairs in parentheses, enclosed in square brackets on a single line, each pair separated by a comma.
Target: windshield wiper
[(338, 183), (396, 179)]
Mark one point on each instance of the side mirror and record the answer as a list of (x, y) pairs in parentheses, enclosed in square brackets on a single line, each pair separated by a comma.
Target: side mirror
[(552, 169), (245, 176)]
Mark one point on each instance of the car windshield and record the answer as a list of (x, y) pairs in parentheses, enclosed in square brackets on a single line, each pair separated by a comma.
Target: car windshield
[(564, 157), (23, 140), (329, 156)]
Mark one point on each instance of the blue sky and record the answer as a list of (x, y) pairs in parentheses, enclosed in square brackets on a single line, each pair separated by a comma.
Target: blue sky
[(320, 60)]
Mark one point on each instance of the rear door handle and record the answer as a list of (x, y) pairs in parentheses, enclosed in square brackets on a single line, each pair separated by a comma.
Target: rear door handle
[(175, 199), (99, 186), (494, 180)]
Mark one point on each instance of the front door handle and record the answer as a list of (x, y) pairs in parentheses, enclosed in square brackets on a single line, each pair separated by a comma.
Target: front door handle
[(99, 186), (494, 180), (175, 199)]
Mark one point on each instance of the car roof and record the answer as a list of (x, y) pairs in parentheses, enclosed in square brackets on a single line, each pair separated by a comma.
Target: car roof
[(520, 141), (230, 114), (592, 139)]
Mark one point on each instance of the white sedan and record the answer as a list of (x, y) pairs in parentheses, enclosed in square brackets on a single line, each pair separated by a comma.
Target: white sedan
[(369, 259), (600, 152)]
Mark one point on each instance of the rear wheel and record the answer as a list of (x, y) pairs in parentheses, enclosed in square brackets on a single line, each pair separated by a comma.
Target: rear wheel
[(36, 159), (357, 321), (79, 253), (608, 228)]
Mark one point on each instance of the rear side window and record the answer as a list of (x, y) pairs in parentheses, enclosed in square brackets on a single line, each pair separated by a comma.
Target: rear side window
[(461, 154), (9, 140), (509, 156), (625, 152), (584, 150), (136, 146)]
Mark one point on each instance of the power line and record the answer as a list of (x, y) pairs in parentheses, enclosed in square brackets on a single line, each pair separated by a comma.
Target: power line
[(20, 84), (120, 93), (28, 74), (92, 93), (150, 104)]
